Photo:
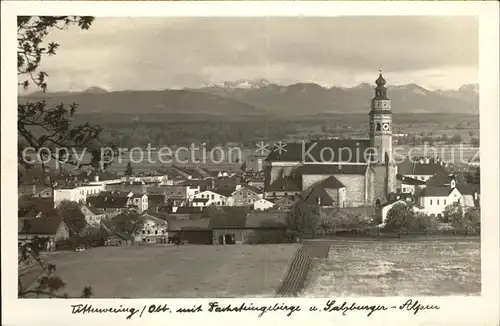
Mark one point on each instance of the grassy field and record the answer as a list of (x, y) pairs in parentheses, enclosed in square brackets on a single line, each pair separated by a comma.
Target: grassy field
[(395, 268), (175, 271)]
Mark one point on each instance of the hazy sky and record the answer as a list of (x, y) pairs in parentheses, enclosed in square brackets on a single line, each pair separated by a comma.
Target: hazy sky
[(159, 53)]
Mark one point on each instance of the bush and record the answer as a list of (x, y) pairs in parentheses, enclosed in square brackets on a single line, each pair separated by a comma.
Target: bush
[(400, 219), (424, 223), (469, 222), (268, 237)]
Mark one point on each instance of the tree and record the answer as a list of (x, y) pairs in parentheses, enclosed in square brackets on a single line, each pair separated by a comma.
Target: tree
[(303, 218), (128, 170), (72, 216), (41, 126), (400, 218), (467, 222), (127, 224), (452, 212), (423, 222)]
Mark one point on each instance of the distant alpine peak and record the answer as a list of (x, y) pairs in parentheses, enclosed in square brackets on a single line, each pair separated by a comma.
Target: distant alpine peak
[(95, 90), (244, 83)]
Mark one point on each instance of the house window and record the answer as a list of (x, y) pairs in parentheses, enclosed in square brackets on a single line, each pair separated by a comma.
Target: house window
[(156, 231), (213, 196), (445, 202), (143, 231), (437, 202), (286, 194), (431, 201), (149, 232), (274, 194)]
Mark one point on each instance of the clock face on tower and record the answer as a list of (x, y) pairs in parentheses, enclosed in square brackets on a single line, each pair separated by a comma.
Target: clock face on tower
[(385, 127)]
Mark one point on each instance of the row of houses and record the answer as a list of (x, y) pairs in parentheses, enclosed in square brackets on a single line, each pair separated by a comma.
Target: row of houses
[(225, 226)]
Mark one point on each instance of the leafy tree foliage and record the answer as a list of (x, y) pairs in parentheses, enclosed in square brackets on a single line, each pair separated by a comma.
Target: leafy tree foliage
[(72, 216), (468, 222), (303, 218), (453, 212), (127, 223), (42, 126), (400, 218)]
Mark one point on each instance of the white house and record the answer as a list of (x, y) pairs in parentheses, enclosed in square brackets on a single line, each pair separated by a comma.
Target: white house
[(435, 199), (262, 204), (245, 195), (421, 169), (78, 193), (140, 201), (154, 230), (208, 198), (92, 217)]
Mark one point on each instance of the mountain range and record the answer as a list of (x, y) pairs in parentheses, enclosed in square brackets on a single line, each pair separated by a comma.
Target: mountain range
[(260, 97)]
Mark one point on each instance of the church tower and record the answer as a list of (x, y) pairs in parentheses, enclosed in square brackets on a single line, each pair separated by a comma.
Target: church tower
[(381, 122), (384, 179)]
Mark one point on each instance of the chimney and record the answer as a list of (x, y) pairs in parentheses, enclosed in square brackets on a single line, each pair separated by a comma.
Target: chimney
[(96, 178), (427, 160), (421, 161), (238, 187)]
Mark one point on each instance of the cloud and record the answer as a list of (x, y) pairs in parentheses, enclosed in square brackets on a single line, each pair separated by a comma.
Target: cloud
[(156, 53)]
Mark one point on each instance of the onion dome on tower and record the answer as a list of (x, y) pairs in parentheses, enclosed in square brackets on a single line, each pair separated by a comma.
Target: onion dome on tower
[(380, 90)]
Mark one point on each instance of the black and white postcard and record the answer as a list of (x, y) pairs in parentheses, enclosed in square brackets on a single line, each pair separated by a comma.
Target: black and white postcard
[(250, 162)]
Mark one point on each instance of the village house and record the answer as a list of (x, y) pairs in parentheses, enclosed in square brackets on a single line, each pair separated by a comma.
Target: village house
[(421, 168), (285, 203), (190, 231), (262, 204), (238, 227), (257, 182), (154, 230), (52, 228), (245, 195), (76, 193), (172, 175), (44, 193), (283, 187), (112, 203), (435, 199), (139, 202), (96, 177), (205, 184), (410, 185), (209, 197), (93, 216), (185, 192)]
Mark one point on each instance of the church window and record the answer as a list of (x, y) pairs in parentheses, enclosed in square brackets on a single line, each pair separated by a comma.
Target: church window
[(378, 126)]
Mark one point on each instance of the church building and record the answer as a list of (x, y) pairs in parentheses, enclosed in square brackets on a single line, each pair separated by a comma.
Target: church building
[(336, 172)]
